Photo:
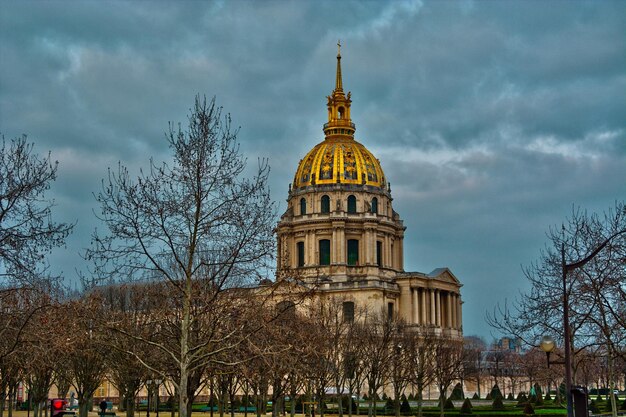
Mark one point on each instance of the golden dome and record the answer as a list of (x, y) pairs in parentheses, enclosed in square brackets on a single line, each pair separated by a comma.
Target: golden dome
[(339, 159)]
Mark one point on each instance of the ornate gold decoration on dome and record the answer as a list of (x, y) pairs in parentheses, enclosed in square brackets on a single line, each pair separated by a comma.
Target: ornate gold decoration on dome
[(339, 159)]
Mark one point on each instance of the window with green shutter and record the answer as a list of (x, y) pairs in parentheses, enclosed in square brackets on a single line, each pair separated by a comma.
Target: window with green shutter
[(353, 252), (324, 249), (300, 253)]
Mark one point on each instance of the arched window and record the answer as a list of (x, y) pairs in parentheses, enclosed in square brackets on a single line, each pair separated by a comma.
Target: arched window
[(353, 252), (351, 204), (325, 204), (303, 206), (375, 205), (300, 246), (324, 250), (340, 113)]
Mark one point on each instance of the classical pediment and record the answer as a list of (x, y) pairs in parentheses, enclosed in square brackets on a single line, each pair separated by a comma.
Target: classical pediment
[(445, 275)]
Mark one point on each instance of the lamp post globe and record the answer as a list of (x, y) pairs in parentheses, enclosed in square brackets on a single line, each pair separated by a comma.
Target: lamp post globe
[(547, 344)]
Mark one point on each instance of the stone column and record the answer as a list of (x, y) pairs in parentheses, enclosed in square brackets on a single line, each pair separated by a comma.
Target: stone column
[(307, 249), (333, 246), (364, 255), (423, 305), (386, 252), (449, 308), (438, 304), (460, 313), (456, 311), (453, 305), (400, 254), (370, 246), (341, 246), (432, 308), (416, 307)]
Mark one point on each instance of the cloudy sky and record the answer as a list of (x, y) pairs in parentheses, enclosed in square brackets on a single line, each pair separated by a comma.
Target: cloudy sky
[(491, 119)]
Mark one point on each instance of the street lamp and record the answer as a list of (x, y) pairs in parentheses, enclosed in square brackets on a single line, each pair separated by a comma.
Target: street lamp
[(150, 384), (547, 342), (547, 345)]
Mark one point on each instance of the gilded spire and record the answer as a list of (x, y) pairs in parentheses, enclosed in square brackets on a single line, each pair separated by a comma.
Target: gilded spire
[(339, 123), (338, 81)]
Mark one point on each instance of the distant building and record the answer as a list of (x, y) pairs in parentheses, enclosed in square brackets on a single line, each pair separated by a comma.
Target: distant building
[(509, 344)]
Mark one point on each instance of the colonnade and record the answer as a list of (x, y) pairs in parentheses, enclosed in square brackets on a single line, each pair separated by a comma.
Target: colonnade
[(436, 307)]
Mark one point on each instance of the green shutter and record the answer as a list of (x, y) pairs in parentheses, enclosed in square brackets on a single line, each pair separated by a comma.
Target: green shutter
[(324, 246), (353, 252)]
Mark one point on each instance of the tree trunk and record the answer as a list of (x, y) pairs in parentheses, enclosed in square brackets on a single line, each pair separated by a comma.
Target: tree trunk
[(320, 403), (442, 401), (396, 404), (11, 402), (231, 398), (275, 395), (292, 394), (221, 404), (611, 383), (350, 399), (3, 394), (84, 404), (420, 399), (340, 401), (558, 392), (130, 406), (183, 397), (257, 401)]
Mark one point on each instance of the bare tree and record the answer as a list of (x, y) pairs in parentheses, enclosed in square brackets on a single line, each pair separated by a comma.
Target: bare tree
[(533, 364), (594, 290), (199, 225), (512, 371), (42, 342), (422, 363), (495, 363), (448, 356), (474, 361), (86, 352), (27, 232), (400, 370), (377, 335), (11, 370), (28, 340)]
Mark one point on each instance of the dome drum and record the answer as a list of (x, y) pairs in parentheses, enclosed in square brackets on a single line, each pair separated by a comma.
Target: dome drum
[(313, 203)]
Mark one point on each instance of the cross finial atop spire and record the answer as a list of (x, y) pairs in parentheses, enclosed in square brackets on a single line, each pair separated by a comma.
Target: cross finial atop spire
[(338, 81)]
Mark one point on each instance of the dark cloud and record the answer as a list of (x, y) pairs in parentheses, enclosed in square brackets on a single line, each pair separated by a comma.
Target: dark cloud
[(491, 119)]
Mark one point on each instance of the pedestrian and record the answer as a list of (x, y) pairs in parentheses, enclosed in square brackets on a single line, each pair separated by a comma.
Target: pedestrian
[(103, 406)]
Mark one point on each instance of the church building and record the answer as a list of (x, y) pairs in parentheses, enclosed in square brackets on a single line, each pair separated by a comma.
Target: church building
[(341, 236)]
